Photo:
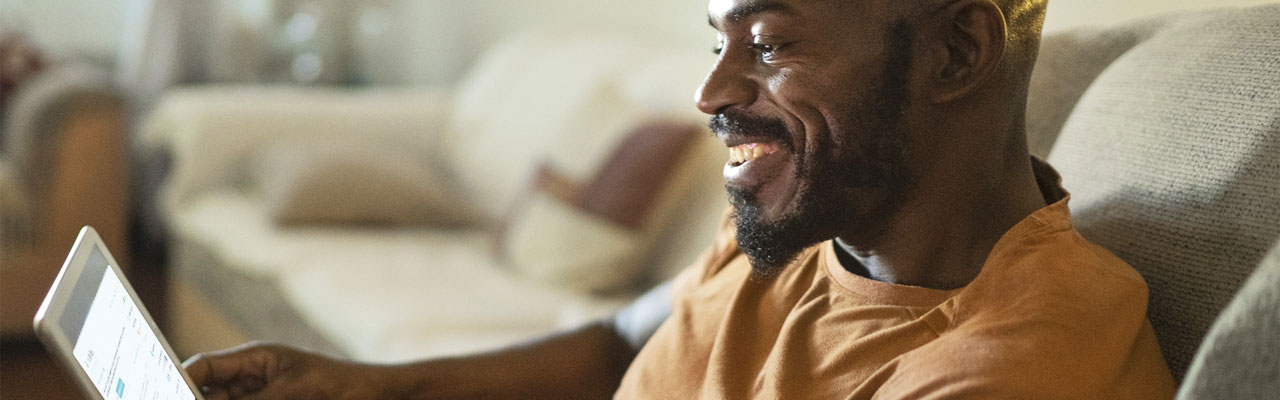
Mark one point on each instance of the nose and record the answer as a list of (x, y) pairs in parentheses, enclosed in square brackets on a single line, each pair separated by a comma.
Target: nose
[(726, 85)]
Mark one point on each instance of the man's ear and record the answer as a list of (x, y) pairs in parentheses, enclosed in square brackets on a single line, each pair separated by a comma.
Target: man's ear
[(967, 48)]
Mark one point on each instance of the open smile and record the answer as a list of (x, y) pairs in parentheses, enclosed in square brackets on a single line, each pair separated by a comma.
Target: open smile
[(744, 153), (755, 163)]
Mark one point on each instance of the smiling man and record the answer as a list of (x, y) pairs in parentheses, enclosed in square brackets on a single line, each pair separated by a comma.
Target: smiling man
[(890, 237)]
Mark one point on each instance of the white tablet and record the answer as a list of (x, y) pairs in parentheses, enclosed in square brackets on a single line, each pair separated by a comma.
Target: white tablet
[(93, 323)]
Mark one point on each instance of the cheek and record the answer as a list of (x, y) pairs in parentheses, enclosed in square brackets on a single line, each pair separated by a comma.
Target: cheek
[(805, 114)]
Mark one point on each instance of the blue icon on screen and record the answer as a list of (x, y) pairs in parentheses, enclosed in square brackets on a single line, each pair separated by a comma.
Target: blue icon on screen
[(119, 387)]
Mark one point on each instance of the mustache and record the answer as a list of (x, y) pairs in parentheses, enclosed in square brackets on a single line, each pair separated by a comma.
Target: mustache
[(734, 122)]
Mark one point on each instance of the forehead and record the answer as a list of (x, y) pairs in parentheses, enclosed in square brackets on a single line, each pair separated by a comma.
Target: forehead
[(738, 9), (722, 12)]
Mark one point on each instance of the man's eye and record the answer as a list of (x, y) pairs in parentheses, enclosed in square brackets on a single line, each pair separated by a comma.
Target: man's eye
[(766, 51)]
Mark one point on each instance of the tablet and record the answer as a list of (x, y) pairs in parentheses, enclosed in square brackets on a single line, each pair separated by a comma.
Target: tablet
[(93, 323)]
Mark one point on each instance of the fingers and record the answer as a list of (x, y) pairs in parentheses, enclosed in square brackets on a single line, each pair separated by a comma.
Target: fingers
[(198, 369), (245, 364), (257, 371)]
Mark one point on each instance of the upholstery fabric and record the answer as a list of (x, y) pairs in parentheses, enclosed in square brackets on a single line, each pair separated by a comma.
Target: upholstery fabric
[(32, 122), (15, 212), (1067, 64), (355, 182), (592, 236), (1240, 358), (552, 96), (212, 133), (384, 295), (1172, 159), (561, 245), (380, 293), (31, 137)]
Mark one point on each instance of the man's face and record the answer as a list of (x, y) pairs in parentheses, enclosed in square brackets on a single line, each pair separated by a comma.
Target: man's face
[(810, 96)]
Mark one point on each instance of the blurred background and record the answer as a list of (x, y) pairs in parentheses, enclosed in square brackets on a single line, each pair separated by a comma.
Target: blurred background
[(300, 170)]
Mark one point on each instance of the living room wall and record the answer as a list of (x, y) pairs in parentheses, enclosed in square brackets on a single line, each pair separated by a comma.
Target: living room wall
[(447, 35)]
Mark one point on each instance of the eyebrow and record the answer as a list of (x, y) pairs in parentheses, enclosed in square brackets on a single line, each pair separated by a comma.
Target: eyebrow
[(751, 8)]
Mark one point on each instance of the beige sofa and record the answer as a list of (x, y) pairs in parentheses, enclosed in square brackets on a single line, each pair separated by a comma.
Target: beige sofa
[(1166, 131), (393, 224)]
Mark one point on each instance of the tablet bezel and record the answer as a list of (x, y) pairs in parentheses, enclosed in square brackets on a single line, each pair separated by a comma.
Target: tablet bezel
[(49, 330)]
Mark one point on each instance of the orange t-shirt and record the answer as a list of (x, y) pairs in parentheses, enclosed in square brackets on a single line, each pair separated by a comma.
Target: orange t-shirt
[(1050, 316)]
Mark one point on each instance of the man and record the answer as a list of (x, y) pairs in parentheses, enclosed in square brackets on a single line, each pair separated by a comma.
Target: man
[(890, 238)]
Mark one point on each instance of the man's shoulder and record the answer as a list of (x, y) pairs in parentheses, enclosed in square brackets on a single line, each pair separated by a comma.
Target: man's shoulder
[(1052, 288), (1048, 266), (1062, 308)]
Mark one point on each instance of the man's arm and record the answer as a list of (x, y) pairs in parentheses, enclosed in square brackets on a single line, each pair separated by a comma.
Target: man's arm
[(587, 362)]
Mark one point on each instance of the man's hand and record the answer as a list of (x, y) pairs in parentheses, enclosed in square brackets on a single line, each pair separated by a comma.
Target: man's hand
[(265, 371)]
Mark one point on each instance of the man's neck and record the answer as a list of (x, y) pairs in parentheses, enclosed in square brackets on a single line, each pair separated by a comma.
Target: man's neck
[(942, 233)]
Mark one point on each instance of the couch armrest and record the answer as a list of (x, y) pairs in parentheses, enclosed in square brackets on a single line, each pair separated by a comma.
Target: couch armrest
[(211, 133)]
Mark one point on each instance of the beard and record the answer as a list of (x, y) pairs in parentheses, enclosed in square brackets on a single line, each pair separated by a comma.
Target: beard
[(838, 176)]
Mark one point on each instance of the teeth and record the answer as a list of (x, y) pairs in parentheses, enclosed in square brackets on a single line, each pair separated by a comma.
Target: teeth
[(747, 152)]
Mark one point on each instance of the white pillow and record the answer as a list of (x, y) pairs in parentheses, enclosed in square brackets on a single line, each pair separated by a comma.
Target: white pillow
[(355, 183), (597, 235), (562, 245)]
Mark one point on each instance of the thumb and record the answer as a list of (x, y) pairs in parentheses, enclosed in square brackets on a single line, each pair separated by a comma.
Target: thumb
[(198, 368), (221, 368)]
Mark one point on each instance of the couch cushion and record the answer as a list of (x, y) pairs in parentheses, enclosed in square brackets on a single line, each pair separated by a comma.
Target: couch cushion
[(440, 296), (1172, 156), (1067, 64), (374, 293), (565, 96), (212, 132), (352, 181), (1240, 358)]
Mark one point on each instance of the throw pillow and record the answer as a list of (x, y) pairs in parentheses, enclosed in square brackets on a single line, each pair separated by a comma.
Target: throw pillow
[(353, 183), (594, 236)]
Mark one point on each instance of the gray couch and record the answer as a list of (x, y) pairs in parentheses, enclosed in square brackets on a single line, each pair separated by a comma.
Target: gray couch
[(1167, 133)]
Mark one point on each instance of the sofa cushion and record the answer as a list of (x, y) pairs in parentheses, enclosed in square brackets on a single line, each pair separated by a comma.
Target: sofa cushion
[(212, 132), (354, 182), (440, 295), (558, 95), (373, 293), (1067, 64), (1240, 358), (1171, 156)]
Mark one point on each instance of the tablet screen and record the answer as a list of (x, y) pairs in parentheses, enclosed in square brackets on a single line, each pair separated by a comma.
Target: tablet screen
[(117, 348)]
